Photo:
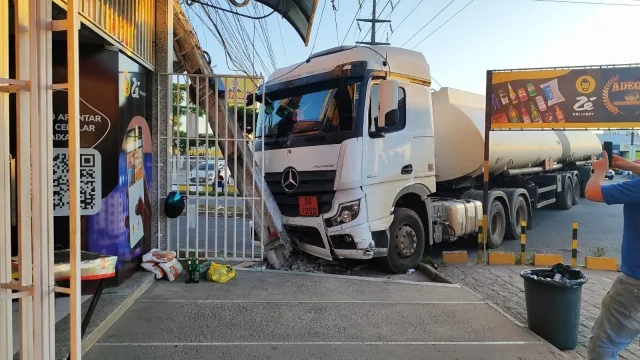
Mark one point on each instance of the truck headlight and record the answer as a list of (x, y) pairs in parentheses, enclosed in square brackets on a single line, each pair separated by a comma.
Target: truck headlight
[(347, 212)]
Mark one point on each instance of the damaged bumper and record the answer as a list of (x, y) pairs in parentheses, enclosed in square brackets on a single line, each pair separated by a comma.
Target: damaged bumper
[(351, 240)]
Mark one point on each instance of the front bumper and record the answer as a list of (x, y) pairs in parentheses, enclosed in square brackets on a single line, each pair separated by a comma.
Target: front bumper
[(352, 240)]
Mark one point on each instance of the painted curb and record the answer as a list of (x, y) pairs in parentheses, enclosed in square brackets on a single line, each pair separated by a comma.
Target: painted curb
[(501, 258), (433, 274), (547, 259), (455, 257), (600, 263)]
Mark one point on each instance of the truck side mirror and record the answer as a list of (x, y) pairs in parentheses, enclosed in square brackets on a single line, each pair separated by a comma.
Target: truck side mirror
[(388, 112)]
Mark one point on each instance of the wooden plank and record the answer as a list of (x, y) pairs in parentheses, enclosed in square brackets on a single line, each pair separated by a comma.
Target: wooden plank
[(74, 176)]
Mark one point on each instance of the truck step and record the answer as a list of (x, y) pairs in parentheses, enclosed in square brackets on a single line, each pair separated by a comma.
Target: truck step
[(545, 203), (546, 189)]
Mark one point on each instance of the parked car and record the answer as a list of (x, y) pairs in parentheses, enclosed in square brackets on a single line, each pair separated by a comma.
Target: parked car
[(611, 174), (207, 172)]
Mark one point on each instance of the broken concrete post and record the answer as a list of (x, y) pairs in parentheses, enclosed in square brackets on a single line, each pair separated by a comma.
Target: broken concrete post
[(277, 243)]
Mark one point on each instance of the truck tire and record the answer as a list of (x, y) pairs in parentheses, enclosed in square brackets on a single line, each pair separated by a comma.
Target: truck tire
[(576, 190), (520, 213), (564, 199), (497, 225), (406, 242)]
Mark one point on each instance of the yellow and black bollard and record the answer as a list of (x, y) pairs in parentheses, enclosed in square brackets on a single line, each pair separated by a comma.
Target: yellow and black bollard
[(480, 244), (523, 241), (574, 245)]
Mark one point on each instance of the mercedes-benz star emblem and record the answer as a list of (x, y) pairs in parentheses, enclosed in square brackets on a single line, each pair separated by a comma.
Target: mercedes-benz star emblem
[(289, 179)]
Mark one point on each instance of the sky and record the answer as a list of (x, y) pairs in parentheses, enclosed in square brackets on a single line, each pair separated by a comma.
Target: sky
[(487, 34)]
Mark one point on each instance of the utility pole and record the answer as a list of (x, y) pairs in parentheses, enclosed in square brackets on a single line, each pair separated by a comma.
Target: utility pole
[(374, 20)]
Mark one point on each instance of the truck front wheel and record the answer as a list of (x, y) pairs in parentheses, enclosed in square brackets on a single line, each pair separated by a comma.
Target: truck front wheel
[(406, 241)]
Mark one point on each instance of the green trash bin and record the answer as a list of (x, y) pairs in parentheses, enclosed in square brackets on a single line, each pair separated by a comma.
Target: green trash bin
[(553, 305)]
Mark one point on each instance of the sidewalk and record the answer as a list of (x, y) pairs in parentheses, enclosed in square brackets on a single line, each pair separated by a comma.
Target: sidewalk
[(503, 286), (286, 315)]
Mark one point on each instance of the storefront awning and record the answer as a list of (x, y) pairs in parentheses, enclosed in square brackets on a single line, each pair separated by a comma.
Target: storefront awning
[(299, 13)]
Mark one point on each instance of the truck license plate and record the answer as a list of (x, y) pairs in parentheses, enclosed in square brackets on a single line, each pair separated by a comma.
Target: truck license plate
[(308, 205)]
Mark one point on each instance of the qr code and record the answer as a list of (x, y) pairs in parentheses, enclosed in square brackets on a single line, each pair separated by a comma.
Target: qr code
[(90, 182)]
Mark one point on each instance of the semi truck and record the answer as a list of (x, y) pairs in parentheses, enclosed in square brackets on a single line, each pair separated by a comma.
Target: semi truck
[(366, 161)]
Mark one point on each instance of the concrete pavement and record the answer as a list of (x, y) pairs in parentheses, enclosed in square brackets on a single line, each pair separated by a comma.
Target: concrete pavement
[(283, 315)]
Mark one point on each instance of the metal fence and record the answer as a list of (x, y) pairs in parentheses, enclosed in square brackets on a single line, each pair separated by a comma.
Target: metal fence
[(209, 143)]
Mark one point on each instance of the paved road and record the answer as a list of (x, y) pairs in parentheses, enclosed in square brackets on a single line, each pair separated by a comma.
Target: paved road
[(305, 316), (600, 225)]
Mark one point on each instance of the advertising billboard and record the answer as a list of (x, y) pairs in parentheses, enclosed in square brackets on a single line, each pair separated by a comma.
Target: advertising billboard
[(115, 155), (604, 97)]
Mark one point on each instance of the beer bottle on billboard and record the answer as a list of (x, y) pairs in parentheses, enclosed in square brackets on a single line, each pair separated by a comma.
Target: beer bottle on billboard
[(503, 96), (513, 115), (559, 115), (531, 89), (525, 115), (535, 115), (512, 94)]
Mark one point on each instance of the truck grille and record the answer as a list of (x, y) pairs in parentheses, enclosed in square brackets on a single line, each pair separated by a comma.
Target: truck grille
[(311, 183)]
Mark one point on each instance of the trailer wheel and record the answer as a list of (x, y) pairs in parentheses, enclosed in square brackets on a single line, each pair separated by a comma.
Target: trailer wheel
[(406, 242), (497, 225), (576, 190), (520, 213), (564, 199)]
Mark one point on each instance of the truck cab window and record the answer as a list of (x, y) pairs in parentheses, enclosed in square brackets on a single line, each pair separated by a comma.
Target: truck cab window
[(308, 112), (373, 110)]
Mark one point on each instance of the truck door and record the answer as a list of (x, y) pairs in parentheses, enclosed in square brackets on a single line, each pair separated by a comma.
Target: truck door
[(387, 160)]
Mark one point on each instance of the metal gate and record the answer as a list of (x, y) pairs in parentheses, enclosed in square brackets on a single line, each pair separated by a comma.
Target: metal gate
[(209, 146)]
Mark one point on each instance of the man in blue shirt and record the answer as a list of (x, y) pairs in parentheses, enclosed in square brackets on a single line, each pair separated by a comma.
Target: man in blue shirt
[(619, 321)]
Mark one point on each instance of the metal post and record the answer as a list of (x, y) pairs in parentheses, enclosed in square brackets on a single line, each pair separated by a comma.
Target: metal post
[(632, 155), (480, 255), (485, 165), (73, 103), (574, 245), (523, 242)]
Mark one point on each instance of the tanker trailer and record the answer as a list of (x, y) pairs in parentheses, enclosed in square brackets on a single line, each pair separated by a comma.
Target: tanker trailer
[(529, 169)]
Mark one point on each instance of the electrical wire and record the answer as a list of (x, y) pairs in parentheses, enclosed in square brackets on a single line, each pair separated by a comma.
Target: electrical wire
[(371, 27), (318, 28), (405, 18), (335, 19), (428, 22), (588, 3), (353, 21), (393, 8), (284, 48), (191, 2), (443, 24)]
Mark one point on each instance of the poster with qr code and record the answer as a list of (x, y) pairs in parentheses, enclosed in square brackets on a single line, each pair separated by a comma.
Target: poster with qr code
[(90, 181)]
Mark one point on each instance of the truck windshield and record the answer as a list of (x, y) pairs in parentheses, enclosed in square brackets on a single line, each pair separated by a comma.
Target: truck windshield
[(310, 111)]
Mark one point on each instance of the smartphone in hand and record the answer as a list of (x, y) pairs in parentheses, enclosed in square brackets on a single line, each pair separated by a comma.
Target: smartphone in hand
[(608, 147)]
